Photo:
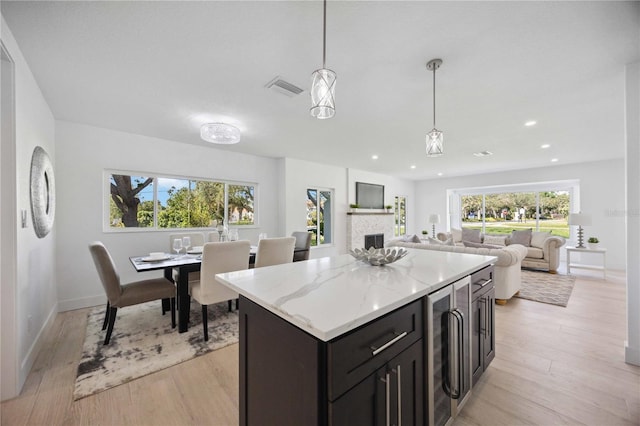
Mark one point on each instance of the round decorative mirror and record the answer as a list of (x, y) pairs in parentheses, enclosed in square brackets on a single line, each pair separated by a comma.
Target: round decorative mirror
[(43, 194)]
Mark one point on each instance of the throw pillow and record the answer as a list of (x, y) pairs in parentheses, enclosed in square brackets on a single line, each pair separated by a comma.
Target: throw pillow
[(472, 235), (456, 234), (448, 242), (496, 240), (480, 245), (411, 238), (538, 238), (521, 237)]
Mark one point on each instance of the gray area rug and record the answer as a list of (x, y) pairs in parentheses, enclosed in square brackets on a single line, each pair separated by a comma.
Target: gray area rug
[(143, 342), (544, 287)]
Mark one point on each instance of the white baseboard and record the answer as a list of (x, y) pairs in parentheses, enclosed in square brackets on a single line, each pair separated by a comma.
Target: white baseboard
[(85, 302), (34, 350), (631, 355)]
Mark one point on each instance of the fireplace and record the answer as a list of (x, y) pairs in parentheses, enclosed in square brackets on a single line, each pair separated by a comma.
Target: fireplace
[(374, 240)]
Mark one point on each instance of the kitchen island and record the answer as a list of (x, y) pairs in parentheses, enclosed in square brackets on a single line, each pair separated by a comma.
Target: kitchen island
[(323, 341)]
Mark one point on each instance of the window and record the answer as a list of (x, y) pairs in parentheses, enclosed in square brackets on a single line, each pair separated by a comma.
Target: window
[(502, 210), (169, 203), (400, 216), (319, 215)]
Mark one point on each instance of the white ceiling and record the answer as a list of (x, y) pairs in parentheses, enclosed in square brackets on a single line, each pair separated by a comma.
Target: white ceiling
[(163, 68)]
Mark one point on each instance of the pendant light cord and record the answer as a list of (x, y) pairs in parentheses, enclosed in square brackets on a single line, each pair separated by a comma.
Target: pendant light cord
[(324, 34), (434, 97)]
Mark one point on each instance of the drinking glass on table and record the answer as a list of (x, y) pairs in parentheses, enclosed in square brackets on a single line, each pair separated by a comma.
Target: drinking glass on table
[(186, 243), (233, 234), (262, 235), (177, 245)]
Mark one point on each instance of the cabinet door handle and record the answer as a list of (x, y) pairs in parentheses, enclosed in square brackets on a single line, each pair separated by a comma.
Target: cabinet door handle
[(399, 396), (376, 351), (483, 330), (387, 398)]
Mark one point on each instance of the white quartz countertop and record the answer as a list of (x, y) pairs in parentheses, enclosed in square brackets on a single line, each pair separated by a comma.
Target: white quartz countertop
[(330, 296)]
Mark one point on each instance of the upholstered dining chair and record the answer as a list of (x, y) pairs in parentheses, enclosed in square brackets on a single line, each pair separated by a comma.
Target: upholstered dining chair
[(275, 251), (123, 295), (302, 247), (218, 258)]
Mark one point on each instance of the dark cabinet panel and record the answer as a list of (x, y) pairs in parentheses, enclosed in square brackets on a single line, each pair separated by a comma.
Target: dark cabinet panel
[(482, 322)]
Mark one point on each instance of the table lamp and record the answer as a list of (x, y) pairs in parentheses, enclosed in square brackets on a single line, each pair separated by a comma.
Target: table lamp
[(580, 219), (433, 219)]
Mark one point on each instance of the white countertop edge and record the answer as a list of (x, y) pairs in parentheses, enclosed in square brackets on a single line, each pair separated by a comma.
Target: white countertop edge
[(364, 319)]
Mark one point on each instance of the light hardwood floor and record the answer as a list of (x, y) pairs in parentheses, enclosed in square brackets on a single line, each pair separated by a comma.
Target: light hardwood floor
[(553, 365)]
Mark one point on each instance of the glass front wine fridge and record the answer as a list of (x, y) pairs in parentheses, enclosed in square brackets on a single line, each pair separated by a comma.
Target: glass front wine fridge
[(448, 351)]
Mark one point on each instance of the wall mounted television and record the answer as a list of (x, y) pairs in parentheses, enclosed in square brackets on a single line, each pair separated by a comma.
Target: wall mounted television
[(369, 195)]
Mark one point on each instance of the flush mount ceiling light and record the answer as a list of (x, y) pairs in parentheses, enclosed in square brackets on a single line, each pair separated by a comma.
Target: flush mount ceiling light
[(221, 133), (530, 123), (323, 82), (435, 137)]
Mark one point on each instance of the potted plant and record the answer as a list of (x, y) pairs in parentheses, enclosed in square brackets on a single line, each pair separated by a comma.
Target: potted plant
[(388, 207), (593, 242), (354, 207)]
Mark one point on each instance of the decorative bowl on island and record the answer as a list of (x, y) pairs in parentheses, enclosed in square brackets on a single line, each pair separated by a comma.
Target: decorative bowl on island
[(378, 257)]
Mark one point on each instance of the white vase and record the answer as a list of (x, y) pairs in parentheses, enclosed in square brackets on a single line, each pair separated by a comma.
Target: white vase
[(593, 246)]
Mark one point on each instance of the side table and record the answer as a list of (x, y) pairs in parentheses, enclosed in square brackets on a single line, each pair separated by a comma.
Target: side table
[(602, 251)]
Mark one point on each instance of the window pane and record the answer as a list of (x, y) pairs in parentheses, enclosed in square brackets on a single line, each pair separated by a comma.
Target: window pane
[(174, 198), (510, 211), (312, 215), (325, 217), (208, 204), (554, 212), (131, 202), (471, 211), (241, 205)]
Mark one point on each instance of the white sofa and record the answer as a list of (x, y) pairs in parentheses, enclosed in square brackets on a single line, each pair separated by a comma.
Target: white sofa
[(543, 251), (507, 273)]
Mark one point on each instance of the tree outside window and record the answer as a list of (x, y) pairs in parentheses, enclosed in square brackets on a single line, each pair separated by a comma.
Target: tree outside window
[(178, 203)]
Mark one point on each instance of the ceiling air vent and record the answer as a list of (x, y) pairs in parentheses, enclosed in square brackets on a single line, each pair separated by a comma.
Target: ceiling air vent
[(284, 87)]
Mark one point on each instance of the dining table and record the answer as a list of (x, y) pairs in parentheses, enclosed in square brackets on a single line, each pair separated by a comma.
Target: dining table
[(185, 263)]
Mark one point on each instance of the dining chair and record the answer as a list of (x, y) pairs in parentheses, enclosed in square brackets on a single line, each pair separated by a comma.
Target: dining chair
[(123, 295), (218, 258), (275, 251), (302, 247)]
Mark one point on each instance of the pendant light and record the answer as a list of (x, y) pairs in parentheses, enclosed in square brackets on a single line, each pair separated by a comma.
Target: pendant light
[(323, 82), (435, 137)]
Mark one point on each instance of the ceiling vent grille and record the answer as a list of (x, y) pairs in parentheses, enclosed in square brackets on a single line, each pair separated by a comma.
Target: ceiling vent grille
[(284, 87)]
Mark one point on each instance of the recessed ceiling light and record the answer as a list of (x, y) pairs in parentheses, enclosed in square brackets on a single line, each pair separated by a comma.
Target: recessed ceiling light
[(530, 123), (221, 133), (554, 160), (545, 146), (413, 166), (440, 174), (374, 157), (482, 153)]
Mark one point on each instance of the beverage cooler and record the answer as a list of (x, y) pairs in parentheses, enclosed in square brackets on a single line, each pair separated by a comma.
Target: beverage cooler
[(449, 351)]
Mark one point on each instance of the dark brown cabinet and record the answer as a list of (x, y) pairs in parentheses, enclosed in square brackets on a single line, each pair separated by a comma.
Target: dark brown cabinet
[(482, 322), (393, 395), (368, 376)]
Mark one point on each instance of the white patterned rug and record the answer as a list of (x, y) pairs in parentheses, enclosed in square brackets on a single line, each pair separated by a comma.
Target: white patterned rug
[(143, 342), (544, 287)]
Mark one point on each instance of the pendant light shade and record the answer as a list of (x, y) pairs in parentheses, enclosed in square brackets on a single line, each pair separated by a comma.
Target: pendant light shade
[(323, 82), (323, 87), (435, 137)]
